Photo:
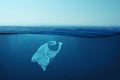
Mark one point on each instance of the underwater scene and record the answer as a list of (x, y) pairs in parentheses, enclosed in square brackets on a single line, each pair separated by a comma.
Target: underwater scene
[(59, 54)]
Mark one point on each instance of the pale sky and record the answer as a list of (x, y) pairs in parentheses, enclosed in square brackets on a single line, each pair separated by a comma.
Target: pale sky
[(60, 12)]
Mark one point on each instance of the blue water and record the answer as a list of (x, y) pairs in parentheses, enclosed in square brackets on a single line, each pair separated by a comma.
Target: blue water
[(79, 59)]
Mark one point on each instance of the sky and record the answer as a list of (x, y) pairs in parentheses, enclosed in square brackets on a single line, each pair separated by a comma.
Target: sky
[(60, 12)]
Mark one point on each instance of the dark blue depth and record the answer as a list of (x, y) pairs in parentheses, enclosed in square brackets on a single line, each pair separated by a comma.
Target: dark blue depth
[(79, 58)]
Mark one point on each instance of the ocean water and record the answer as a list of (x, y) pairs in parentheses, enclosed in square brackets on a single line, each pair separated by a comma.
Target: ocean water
[(80, 58)]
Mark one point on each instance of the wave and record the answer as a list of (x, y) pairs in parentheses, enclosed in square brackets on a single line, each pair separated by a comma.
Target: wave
[(73, 31)]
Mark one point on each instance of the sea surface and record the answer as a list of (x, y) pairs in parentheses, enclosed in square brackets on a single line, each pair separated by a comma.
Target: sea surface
[(86, 54)]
